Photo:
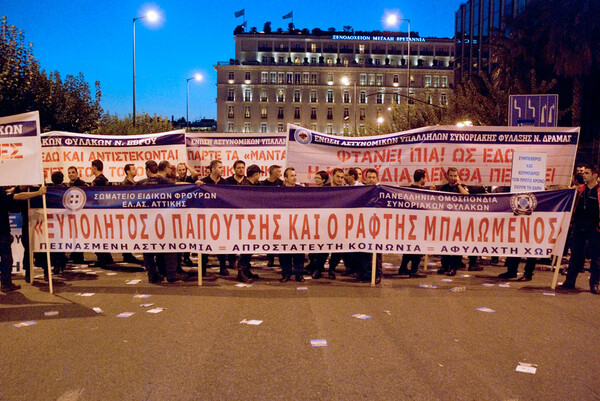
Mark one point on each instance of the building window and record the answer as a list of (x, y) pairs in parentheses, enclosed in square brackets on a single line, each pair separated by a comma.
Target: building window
[(313, 126), (230, 112), (362, 130), (329, 129), (379, 81), (363, 79), (263, 96), (313, 96), (280, 127), (346, 129), (362, 114), (371, 79), (289, 78), (297, 95), (247, 111), (281, 95), (264, 78), (230, 95), (396, 79), (263, 112), (330, 78), (263, 127), (231, 75), (329, 113), (247, 95), (436, 81), (313, 78), (444, 82), (297, 79), (305, 78), (443, 99), (363, 97), (247, 77), (280, 113), (346, 113), (281, 76), (297, 113), (229, 127), (280, 60), (329, 96), (379, 98), (313, 47), (395, 98), (346, 97), (427, 82), (377, 61), (313, 113), (246, 127), (361, 49)]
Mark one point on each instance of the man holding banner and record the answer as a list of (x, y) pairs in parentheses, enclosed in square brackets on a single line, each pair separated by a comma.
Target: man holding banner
[(6, 260)]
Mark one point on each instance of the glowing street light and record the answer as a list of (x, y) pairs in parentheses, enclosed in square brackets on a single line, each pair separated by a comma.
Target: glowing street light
[(196, 77), (391, 21), (152, 16)]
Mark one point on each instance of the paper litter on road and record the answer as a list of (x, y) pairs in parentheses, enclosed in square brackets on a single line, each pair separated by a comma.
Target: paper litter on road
[(155, 310), (97, 310), (360, 316), (429, 286), (146, 305), (504, 285), (302, 288), (25, 324), (143, 296), (51, 313), (526, 368), (242, 285), (126, 314), (251, 322), (488, 284), (447, 280), (485, 309), (131, 282), (552, 294), (111, 274), (465, 275), (387, 312), (321, 342), (85, 294)]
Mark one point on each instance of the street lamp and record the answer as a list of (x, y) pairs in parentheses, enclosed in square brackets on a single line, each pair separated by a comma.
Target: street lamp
[(392, 20), (152, 17), (346, 82), (379, 122), (197, 77)]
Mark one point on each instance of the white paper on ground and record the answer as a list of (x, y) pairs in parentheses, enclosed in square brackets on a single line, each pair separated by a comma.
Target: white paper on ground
[(526, 368), (97, 310), (486, 309), (143, 296), (24, 324), (361, 316), (549, 293), (155, 310), (321, 342), (131, 282), (126, 314), (146, 305), (302, 288), (51, 313), (242, 285), (251, 322), (86, 294)]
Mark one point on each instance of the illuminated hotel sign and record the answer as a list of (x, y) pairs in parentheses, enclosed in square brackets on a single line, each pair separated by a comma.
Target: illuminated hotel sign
[(377, 38)]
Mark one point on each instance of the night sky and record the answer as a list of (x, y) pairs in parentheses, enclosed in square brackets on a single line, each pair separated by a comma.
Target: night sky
[(95, 38)]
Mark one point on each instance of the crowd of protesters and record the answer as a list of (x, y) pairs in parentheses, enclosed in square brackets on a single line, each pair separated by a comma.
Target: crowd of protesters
[(584, 236)]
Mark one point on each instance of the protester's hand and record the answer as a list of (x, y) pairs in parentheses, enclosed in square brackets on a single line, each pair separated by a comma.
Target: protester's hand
[(42, 190), (199, 182)]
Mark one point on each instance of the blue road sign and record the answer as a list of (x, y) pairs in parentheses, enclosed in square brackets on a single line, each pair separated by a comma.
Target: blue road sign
[(533, 110)]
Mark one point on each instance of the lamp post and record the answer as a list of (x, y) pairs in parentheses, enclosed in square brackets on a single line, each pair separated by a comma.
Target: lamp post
[(391, 20), (197, 77), (346, 82), (152, 16)]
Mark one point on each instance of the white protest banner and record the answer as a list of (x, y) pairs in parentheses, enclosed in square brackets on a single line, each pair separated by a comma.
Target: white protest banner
[(20, 150), (483, 155), (16, 230), (528, 172), (60, 150), (222, 219), (261, 149)]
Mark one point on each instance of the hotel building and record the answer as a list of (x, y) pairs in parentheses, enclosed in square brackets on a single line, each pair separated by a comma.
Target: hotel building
[(332, 82)]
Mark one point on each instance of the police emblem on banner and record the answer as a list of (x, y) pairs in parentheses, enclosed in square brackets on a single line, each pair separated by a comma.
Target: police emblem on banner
[(523, 204), (303, 136), (74, 199)]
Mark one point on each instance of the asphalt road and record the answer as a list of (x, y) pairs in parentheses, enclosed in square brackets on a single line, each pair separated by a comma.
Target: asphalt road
[(418, 344)]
